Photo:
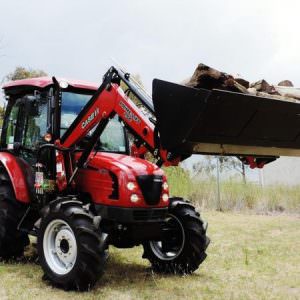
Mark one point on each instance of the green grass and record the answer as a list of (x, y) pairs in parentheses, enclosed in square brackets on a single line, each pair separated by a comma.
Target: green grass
[(235, 195), (250, 257)]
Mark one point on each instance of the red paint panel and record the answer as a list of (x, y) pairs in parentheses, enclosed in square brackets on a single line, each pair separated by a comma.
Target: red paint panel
[(16, 171), (97, 181)]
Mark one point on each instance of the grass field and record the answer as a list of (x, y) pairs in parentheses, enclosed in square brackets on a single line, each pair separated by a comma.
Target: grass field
[(250, 257)]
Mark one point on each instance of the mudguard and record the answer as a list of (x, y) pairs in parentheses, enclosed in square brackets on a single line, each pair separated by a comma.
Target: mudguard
[(19, 175), (175, 201)]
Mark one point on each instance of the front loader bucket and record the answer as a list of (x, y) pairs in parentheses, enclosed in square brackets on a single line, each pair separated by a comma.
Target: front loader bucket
[(226, 123)]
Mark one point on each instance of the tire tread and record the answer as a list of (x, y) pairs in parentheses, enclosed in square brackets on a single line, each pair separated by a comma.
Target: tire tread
[(91, 250)]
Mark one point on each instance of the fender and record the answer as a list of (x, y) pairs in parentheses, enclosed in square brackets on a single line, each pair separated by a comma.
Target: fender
[(18, 174), (175, 201)]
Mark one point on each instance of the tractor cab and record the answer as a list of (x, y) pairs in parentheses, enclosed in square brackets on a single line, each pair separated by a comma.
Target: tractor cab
[(37, 113)]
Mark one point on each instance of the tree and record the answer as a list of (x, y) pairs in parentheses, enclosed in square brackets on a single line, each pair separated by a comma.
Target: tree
[(226, 163), (233, 163), (23, 73)]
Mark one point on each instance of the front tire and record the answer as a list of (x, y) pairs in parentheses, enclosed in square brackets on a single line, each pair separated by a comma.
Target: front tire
[(71, 249), (183, 247)]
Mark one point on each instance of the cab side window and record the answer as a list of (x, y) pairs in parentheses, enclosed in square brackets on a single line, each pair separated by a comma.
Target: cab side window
[(35, 123), (113, 137), (12, 125)]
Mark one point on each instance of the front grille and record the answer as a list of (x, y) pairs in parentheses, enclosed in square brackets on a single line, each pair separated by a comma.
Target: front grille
[(149, 214), (151, 187), (115, 186)]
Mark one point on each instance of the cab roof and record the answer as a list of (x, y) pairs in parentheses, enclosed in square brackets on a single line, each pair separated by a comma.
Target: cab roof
[(17, 86)]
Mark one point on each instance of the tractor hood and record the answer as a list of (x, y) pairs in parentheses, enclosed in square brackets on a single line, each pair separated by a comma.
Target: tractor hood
[(120, 162), (107, 175)]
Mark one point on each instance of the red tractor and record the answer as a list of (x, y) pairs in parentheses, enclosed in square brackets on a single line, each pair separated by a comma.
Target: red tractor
[(73, 173)]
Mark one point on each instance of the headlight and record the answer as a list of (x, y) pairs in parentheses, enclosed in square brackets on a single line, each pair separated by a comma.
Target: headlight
[(63, 84), (131, 186), (165, 197), (165, 186), (134, 198)]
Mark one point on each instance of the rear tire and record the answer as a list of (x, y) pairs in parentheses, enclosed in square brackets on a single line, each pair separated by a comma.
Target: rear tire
[(12, 241), (71, 249), (183, 248)]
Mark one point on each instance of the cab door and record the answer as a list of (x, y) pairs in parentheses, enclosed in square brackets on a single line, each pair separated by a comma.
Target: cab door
[(14, 121), (26, 125)]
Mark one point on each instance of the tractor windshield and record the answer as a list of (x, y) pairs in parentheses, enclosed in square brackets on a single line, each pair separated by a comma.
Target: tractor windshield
[(72, 104), (113, 137)]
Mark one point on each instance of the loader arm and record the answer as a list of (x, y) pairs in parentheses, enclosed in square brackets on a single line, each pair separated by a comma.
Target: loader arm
[(164, 132), (109, 101)]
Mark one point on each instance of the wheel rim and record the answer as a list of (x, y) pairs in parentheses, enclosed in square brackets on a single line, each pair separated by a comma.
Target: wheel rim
[(60, 247), (172, 246)]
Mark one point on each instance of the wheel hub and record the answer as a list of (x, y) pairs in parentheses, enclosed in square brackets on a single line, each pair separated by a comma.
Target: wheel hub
[(172, 245), (64, 246), (60, 247)]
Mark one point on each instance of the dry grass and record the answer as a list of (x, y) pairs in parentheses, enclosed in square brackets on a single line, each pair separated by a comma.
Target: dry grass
[(235, 195), (250, 257)]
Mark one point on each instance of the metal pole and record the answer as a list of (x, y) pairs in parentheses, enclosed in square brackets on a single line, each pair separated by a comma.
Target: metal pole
[(218, 185), (261, 177)]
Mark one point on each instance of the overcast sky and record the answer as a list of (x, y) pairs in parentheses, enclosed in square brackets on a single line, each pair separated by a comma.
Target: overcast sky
[(153, 38), (157, 38)]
